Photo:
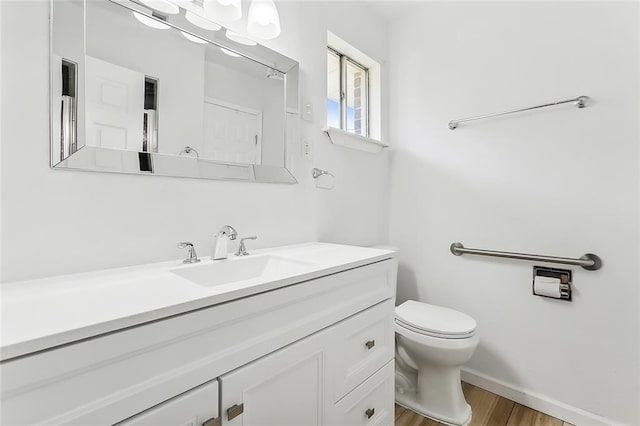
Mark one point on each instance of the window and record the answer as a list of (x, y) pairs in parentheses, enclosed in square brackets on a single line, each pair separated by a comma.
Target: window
[(347, 94)]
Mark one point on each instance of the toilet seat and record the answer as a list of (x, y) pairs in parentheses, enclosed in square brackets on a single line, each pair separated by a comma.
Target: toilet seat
[(434, 321)]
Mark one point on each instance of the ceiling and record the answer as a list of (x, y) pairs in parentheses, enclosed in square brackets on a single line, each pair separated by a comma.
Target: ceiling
[(391, 10)]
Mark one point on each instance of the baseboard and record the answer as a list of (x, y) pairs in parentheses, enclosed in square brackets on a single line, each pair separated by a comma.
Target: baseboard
[(536, 401)]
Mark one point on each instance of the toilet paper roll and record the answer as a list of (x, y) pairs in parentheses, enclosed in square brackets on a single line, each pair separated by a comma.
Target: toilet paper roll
[(547, 286)]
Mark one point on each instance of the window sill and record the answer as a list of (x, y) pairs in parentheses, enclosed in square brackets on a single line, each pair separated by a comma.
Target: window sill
[(353, 141)]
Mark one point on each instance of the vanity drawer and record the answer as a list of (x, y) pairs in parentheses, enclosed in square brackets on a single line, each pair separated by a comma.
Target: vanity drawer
[(369, 404), (196, 407), (367, 343)]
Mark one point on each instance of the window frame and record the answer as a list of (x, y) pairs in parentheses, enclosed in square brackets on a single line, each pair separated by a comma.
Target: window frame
[(344, 61)]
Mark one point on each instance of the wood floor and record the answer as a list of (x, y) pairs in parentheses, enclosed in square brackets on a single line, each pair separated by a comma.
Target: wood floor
[(488, 409)]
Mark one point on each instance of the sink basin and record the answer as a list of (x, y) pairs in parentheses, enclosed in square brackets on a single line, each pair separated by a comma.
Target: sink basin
[(241, 269)]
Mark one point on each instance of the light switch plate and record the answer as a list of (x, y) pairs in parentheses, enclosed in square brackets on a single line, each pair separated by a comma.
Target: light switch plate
[(307, 149), (307, 111)]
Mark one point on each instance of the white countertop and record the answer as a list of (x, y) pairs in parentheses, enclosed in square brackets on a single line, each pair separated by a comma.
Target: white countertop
[(44, 313)]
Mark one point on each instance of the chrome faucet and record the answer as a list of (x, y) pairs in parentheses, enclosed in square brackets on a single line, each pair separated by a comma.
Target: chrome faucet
[(242, 249), (220, 249), (192, 257)]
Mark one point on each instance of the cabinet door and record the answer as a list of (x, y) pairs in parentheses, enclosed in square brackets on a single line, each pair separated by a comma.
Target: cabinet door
[(197, 407), (284, 388)]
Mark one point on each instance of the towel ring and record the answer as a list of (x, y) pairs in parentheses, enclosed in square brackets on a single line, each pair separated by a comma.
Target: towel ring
[(316, 173), (188, 150)]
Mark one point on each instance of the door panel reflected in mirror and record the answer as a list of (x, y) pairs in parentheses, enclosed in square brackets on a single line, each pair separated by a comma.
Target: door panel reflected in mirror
[(159, 90)]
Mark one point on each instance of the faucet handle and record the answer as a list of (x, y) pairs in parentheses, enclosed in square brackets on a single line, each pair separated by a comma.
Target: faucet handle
[(192, 257), (242, 250)]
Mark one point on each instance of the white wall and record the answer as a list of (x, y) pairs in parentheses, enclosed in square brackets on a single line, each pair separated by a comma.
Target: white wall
[(356, 211), (560, 181), (57, 222)]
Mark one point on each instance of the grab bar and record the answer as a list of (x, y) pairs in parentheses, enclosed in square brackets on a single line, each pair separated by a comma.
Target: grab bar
[(580, 102), (589, 261)]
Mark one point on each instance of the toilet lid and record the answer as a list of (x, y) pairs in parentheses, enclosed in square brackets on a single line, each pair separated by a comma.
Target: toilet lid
[(435, 320)]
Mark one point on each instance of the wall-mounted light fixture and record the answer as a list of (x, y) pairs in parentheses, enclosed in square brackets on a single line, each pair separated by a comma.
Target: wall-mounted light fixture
[(263, 20), (223, 10)]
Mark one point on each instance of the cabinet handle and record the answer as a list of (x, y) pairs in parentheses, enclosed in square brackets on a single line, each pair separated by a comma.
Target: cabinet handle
[(234, 411), (370, 412), (213, 421), (370, 344)]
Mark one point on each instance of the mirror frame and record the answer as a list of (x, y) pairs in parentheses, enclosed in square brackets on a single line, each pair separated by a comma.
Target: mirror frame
[(97, 159)]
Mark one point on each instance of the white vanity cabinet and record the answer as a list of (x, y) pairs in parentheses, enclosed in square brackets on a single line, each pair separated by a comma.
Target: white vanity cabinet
[(319, 352), (303, 383)]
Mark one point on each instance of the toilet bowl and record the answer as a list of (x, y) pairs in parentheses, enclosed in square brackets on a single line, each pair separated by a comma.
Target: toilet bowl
[(432, 344)]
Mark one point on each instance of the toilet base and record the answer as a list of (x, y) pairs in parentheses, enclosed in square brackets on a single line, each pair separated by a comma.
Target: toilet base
[(433, 387), (409, 400)]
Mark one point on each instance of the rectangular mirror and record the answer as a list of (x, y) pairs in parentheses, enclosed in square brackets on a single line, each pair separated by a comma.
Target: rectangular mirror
[(144, 91)]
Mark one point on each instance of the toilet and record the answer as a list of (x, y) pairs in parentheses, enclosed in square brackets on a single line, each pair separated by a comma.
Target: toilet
[(432, 344)]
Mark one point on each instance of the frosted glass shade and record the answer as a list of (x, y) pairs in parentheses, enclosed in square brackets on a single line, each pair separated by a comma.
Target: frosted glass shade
[(223, 10), (229, 52), (263, 19), (193, 38)]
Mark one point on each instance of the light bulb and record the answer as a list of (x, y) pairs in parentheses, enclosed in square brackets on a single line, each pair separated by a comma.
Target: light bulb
[(223, 10), (263, 20), (193, 38), (239, 38), (162, 6), (201, 22), (150, 22)]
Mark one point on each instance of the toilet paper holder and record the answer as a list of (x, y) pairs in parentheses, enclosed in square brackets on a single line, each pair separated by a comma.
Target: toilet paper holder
[(552, 283)]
